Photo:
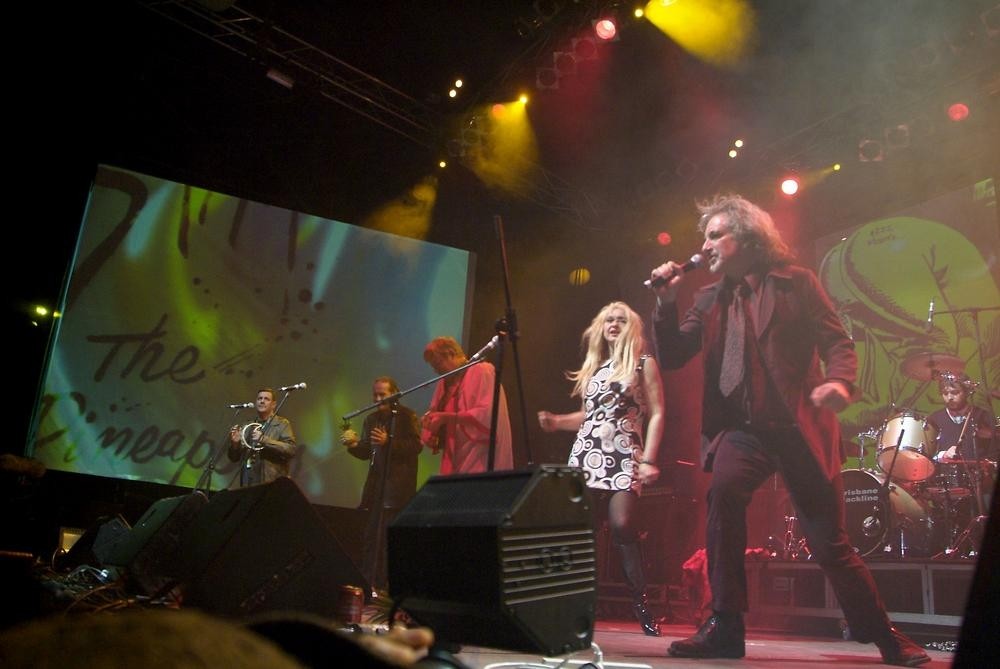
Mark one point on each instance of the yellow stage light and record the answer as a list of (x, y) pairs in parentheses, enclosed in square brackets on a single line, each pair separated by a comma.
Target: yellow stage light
[(718, 31), (580, 276)]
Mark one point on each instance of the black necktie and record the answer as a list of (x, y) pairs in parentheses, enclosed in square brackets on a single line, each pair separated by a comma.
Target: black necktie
[(732, 355)]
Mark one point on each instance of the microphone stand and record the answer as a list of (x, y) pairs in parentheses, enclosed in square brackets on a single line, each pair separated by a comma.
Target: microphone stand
[(885, 492), (506, 328), (205, 480)]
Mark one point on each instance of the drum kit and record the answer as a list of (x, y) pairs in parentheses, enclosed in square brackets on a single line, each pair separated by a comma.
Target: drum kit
[(914, 505)]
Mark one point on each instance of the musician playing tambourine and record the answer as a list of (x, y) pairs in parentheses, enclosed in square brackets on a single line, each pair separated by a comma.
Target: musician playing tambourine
[(956, 440), (264, 448)]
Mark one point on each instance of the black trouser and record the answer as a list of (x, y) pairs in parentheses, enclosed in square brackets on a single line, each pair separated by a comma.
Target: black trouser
[(743, 461)]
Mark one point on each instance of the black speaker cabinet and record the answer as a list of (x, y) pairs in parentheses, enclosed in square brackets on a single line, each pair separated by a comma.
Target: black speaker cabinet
[(151, 549), (263, 548), (96, 544), (501, 559)]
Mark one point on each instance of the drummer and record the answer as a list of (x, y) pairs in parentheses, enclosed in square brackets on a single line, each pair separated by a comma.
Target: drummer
[(977, 441)]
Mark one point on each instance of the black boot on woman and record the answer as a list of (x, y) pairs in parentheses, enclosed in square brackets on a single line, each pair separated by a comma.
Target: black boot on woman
[(636, 579)]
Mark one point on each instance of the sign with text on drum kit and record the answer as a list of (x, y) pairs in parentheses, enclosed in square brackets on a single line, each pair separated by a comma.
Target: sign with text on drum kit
[(872, 509)]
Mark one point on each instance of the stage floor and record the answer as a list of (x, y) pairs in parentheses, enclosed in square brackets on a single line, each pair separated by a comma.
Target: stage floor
[(624, 645)]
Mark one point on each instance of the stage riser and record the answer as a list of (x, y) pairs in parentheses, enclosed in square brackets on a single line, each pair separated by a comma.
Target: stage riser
[(796, 595)]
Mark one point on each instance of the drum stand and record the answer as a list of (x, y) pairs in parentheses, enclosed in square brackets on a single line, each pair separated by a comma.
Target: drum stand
[(794, 548), (973, 532), (886, 492)]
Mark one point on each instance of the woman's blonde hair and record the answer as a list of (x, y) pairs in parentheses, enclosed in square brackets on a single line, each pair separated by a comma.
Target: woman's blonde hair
[(625, 351)]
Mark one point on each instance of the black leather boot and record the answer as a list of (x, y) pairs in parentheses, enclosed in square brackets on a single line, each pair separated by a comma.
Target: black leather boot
[(722, 635), (636, 579)]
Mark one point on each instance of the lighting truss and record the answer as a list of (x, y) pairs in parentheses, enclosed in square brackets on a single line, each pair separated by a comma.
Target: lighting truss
[(260, 40)]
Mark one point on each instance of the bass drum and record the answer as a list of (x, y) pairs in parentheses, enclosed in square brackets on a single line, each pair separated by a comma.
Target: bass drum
[(869, 517)]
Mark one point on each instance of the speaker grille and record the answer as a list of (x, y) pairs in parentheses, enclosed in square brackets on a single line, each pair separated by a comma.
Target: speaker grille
[(539, 566)]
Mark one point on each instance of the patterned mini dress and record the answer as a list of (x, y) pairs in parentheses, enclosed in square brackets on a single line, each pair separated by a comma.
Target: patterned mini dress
[(609, 443)]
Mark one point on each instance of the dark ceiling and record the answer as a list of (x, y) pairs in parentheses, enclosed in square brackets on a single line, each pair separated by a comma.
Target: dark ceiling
[(178, 90)]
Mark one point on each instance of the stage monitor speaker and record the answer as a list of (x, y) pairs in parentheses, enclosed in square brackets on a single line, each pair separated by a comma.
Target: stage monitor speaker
[(264, 548), (96, 544), (151, 549), (501, 559)]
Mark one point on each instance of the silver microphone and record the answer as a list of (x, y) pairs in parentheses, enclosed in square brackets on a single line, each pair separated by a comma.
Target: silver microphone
[(297, 386), (245, 405), (490, 345), (696, 260)]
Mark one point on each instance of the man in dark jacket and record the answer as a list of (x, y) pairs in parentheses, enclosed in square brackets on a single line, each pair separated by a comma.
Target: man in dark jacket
[(768, 406), (390, 441), (264, 448)]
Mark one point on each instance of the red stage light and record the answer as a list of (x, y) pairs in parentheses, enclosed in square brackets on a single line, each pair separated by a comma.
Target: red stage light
[(605, 29), (663, 239), (958, 112), (790, 186)]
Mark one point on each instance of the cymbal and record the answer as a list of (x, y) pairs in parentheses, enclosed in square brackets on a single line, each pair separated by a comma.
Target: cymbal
[(928, 366)]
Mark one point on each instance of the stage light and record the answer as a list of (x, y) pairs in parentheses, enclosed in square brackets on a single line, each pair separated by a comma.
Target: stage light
[(790, 186), (280, 78), (897, 137), (523, 99), (638, 13), (738, 144), (458, 83), (870, 151), (498, 110), (442, 164), (836, 167), (958, 112), (546, 78), (733, 153), (564, 63), (605, 29), (664, 239), (580, 276), (452, 93), (584, 48)]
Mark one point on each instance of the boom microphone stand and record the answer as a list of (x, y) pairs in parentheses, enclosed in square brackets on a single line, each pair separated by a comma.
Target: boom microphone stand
[(507, 329), (205, 480)]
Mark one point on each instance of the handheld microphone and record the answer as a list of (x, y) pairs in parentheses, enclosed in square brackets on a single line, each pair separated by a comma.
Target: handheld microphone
[(245, 405), (695, 262), (930, 316), (490, 345), (297, 386)]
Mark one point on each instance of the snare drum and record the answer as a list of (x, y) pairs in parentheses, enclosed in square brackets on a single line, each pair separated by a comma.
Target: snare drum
[(917, 442)]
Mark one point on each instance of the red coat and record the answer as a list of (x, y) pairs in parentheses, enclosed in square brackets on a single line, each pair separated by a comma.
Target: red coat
[(798, 328)]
